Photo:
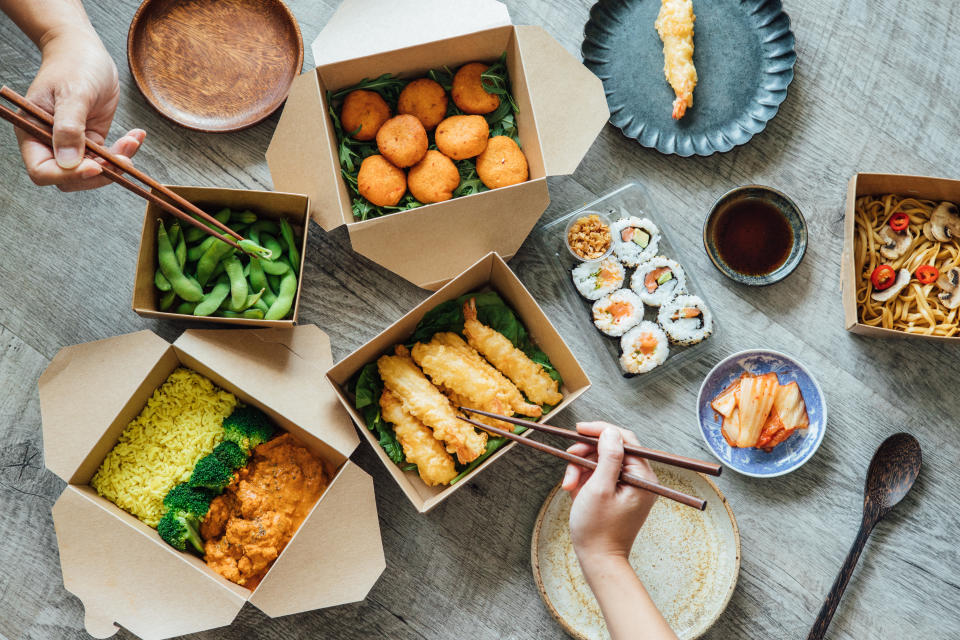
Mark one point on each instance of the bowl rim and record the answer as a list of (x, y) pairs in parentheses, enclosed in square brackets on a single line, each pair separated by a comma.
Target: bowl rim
[(786, 269), (800, 366), (583, 212)]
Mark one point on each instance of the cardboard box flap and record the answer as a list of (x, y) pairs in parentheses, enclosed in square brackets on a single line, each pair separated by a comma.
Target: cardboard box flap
[(297, 160), (336, 555), (364, 27), (72, 424), (569, 105), (285, 365), (124, 573)]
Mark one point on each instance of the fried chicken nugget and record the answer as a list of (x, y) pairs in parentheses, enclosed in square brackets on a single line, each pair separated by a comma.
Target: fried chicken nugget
[(425, 99), (425, 402), (363, 110), (402, 140), (434, 464), (434, 178), (380, 182), (502, 163), (468, 92), (462, 137), (512, 362)]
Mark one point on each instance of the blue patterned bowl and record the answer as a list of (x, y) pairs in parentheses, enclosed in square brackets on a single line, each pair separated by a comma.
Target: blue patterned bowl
[(788, 455)]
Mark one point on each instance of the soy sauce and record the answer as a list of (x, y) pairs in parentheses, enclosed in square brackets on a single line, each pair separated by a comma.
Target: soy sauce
[(752, 237)]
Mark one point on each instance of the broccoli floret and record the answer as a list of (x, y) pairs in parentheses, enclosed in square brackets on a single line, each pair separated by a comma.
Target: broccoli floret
[(230, 454), (210, 473), (248, 427), (188, 499), (177, 528)]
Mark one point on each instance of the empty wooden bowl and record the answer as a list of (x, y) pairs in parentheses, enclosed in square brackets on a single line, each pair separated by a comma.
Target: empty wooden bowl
[(214, 65)]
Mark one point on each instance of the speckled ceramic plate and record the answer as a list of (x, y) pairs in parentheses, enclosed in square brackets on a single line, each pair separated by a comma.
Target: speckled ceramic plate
[(688, 560), (744, 54)]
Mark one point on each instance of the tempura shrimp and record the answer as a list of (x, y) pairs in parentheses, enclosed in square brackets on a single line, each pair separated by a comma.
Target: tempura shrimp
[(434, 464), (675, 26)]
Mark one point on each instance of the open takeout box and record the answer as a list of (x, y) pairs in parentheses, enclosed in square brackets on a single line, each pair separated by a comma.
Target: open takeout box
[(864, 184), (119, 567), (562, 108), (268, 205), (489, 273)]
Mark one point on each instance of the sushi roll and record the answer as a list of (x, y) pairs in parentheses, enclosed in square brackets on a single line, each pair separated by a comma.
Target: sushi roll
[(644, 347), (635, 240), (686, 320), (596, 279), (658, 280), (617, 312)]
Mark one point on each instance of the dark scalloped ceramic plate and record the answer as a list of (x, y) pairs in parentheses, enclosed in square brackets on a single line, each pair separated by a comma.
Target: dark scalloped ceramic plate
[(744, 54)]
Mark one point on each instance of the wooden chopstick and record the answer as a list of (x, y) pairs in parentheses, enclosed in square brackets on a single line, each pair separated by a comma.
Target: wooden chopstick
[(101, 151), (672, 459), (626, 478), (46, 137)]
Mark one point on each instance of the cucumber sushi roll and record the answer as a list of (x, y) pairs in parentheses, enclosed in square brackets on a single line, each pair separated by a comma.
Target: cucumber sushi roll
[(635, 240), (686, 320), (617, 312), (596, 279), (658, 280), (644, 347)]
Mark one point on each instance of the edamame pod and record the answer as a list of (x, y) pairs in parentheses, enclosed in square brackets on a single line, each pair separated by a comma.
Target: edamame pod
[(208, 261), (166, 300), (292, 252), (272, 245), (252, 248), (160, 281), (261, 226), (277, 268), (250, 314), (258, 279), (245, 217), (274, 282), (288, 290), (185, 287), (186, 308), (219, 269), (238, 284), (181, 247), (196, 252), (263, 306), (212, 301), (193, 234), (250, 301)]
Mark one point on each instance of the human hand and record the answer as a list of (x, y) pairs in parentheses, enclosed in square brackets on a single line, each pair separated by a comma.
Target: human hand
[(77, 83), (606, 515)]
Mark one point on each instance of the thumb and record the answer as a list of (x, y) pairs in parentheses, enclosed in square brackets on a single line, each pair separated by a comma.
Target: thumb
[(69, 127), (609, 460)]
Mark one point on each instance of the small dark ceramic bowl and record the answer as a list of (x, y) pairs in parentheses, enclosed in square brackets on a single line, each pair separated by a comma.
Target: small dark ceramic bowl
[(783, 204)]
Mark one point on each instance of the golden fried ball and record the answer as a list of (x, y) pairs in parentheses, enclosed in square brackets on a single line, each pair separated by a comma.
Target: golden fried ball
[(434, 178), (462, 137), (424, 99), (366, 110), (502, 163), (468, 92), (380, 182), (402, 140)]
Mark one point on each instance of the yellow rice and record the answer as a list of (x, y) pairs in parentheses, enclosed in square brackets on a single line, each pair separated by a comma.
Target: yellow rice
[(182, 422)]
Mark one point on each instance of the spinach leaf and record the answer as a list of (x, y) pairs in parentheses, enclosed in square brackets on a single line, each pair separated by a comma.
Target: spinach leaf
[(367, 389)]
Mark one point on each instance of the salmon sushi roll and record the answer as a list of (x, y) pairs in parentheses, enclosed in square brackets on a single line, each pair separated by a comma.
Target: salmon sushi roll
[(658, 280), (596, 279), (645, 347), (635, 240), (614, 314), (686, 320)]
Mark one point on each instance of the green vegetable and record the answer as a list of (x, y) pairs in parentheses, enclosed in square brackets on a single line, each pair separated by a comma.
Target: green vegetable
[(286, 231), (288, 290), (210, 473), (367, 388), (238, 284), (195, 252), (212, 300), (186, 308), (188, 499), (258, 279), (272, 245), (160, 281), (167, 300), (210, 259), (194, 233), (665, 277), (641, 238), (248, 427), (254, 249), (249, 314), (230, 454), (178, 528), (184, 287)]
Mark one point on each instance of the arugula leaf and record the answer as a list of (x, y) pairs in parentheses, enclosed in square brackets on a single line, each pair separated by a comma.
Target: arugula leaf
[(367, 389)]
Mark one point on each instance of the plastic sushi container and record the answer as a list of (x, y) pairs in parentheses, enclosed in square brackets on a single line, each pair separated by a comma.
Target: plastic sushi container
[(628, 200)]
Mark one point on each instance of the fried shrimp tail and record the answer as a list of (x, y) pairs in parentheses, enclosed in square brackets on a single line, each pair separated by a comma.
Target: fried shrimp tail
[(434, 464), (425, 402), (675, 26), (512, 362)]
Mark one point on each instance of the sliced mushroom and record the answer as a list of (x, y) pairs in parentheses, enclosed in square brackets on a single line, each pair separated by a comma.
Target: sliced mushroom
[(949, 282), (903, 279), (895, 243), (945, 222), (928, 233)]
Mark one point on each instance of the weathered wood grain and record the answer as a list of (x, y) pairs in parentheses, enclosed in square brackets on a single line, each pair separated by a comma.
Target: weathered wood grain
[(875, 89)]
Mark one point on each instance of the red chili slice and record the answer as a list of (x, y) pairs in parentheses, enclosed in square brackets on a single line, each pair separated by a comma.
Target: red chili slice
[(899, 221), (883, 277), (927, 274)]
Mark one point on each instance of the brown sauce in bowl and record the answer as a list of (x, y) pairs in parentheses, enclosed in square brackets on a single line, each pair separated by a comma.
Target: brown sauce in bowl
[(752, 237)]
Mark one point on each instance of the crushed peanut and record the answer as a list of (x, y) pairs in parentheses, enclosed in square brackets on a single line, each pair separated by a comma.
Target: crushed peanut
[(589, 238)]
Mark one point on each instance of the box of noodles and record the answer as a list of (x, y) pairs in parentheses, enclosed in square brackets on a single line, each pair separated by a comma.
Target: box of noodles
[(480, 341)]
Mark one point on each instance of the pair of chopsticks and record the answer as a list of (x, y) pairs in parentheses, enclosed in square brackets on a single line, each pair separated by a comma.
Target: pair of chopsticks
[(95, 150), (627, 478)]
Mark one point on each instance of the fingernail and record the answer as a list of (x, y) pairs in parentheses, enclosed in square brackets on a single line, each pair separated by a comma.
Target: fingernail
[(68, 157), (611, 436)]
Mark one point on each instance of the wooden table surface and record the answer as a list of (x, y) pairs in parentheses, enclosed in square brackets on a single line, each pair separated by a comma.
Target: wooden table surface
[(875, 90)]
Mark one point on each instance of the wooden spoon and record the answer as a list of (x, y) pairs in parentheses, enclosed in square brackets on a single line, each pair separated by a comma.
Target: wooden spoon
[(893, 470)]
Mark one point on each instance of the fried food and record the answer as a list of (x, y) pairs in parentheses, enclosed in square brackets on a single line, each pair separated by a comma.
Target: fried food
[(402, 140), (425, 99), (425, 402), (434, 178), (675, 26), (381, 182), (451, 369), (363, 110), (502, 163), (462, 137), (512, 362), (468, 92), (434, 464)]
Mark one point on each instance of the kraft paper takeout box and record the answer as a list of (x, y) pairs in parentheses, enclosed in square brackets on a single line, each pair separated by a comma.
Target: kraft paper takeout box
[(268, 205), (863, 184), (489, 273), (562, 108), (119, 567)]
